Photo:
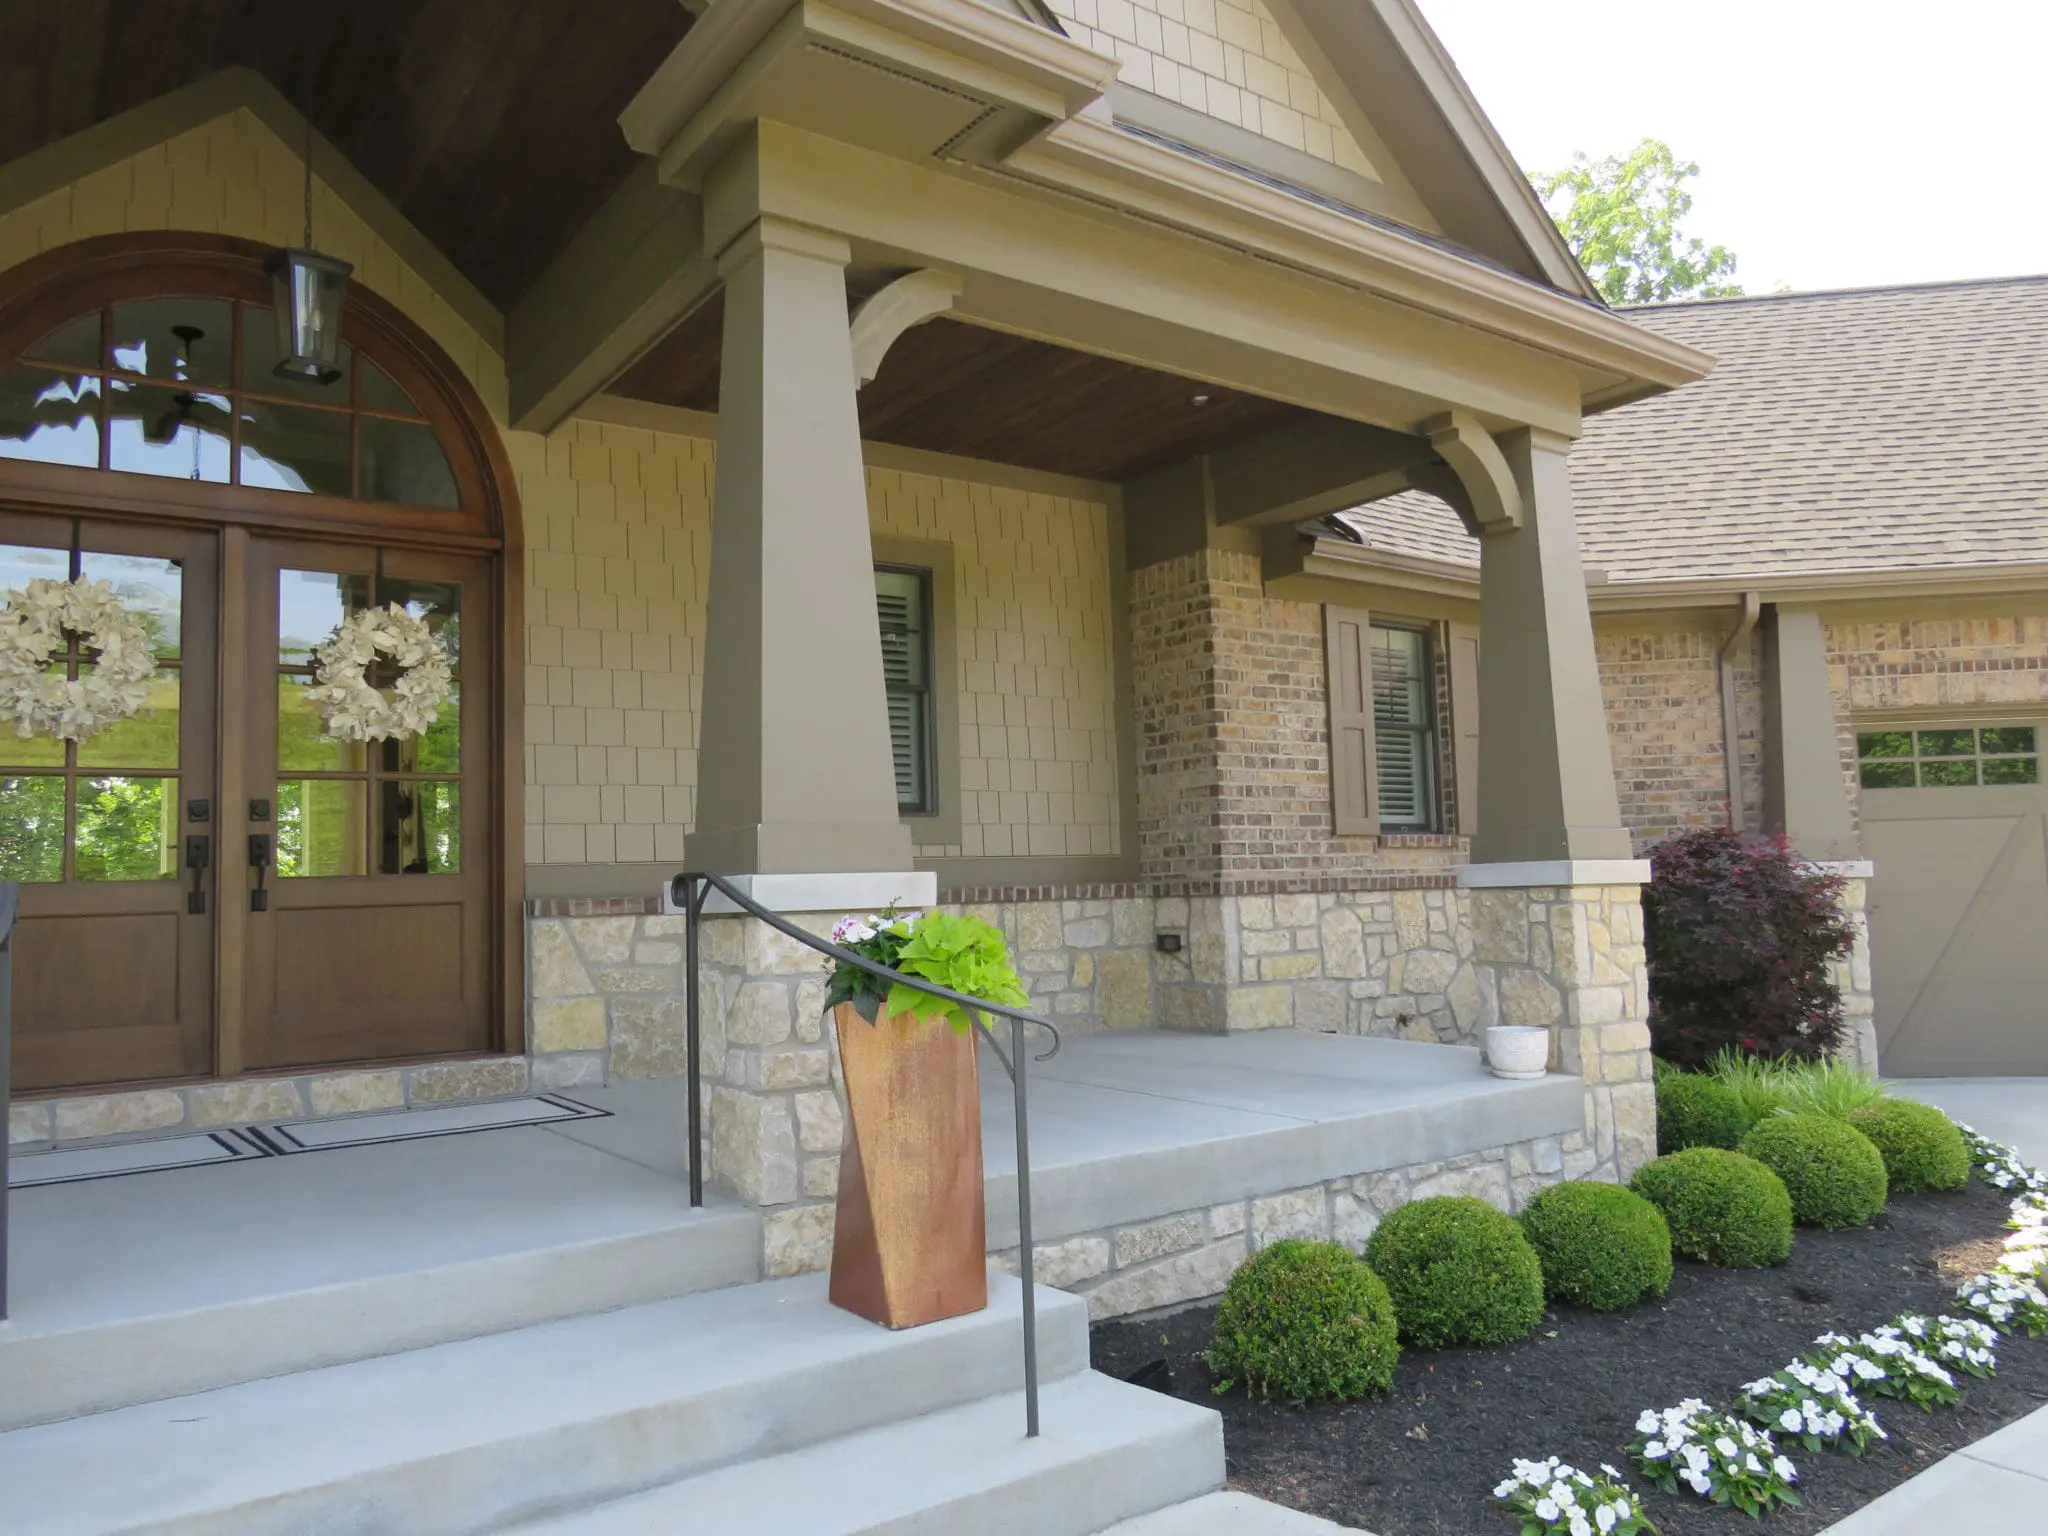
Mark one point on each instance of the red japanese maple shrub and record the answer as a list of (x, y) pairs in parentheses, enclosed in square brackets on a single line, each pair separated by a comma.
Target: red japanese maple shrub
[(1740, 932)]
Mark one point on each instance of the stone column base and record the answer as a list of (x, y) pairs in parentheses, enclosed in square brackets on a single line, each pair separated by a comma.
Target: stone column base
[(1569, 958)]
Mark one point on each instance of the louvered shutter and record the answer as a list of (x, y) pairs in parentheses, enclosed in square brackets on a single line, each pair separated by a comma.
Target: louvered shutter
[(901, 606), (1347, 642), (1464, 642), (1400, 717)]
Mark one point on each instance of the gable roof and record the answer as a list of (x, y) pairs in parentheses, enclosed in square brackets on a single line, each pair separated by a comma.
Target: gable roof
[(1877, 431)]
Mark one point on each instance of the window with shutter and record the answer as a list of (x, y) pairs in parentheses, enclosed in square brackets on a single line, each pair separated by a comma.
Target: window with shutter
[(903, 608), (1403, 713)]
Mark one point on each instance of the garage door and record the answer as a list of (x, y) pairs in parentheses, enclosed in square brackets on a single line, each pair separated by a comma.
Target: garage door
[(1955, 817)]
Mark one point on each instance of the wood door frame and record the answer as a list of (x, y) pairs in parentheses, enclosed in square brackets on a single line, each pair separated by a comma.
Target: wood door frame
[(69, 280)]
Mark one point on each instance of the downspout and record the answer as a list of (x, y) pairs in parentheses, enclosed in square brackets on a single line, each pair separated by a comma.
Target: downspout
[(1731, 735)]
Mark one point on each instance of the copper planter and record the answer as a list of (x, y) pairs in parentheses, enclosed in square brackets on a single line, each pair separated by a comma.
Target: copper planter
[(910, 1238)]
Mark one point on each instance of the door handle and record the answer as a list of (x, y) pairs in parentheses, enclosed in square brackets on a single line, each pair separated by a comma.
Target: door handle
[(198, 855), (259, 860)]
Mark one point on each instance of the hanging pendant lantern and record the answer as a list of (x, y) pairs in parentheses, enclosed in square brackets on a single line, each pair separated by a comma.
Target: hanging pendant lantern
[(306, 296)]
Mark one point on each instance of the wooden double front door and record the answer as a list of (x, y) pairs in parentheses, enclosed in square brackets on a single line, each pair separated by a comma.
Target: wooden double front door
[(214, 885)]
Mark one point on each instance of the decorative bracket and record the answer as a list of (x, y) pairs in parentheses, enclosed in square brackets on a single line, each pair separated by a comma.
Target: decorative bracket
[(1492, 501), (911, 300)]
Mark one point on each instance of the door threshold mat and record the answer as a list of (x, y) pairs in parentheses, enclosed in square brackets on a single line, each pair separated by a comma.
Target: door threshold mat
[(72, 1165)]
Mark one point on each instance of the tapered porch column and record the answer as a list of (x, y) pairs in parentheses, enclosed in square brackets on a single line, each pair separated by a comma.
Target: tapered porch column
[(1546, 777), (1554, 891), (794, 769)]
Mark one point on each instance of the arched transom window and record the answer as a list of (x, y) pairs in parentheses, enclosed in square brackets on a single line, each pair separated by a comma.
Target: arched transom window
[(184, 388)]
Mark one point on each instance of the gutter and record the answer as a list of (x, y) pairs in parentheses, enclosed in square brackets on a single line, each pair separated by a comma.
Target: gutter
[(1731, 736)]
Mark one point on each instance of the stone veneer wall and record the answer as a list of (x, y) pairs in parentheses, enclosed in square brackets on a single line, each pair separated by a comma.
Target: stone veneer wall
[(1187, 1255), (1852, 977)]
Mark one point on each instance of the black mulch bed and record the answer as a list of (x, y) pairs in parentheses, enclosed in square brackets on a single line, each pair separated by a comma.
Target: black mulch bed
[(1423, 1460)]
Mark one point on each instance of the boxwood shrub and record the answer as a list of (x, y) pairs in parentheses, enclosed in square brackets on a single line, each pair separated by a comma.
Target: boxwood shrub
[(1723, 1207), (1921, 1147), (1600, 1245), (1307, 1322), (1459, 1271), (1832, 1172), (1695, 1110)]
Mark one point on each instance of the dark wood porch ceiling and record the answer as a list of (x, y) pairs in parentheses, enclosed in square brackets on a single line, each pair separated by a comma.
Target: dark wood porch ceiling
[(956, 388), (492, 124)]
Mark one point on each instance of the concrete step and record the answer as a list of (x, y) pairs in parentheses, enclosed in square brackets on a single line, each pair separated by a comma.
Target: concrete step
[(1230, 1514), (1107, 1451), (131, 1290), (473, 1435)]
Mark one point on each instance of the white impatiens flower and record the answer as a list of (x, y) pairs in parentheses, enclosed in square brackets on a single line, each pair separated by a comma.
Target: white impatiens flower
[(1547, 1508), (1555, 1499), (1718, 1456)]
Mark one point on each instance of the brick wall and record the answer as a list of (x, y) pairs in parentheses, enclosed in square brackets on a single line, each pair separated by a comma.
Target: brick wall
[(1663, 698), (1223, 58), (1233, 732)]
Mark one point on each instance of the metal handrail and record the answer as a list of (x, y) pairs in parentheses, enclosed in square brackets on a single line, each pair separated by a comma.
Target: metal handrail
[(689, 891)]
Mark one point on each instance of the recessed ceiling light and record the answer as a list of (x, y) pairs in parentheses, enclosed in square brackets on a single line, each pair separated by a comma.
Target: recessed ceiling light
[(1198, 399)]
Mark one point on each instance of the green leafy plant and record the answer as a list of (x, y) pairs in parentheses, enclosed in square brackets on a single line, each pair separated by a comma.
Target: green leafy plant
[(962, 954), (1833, 1174), (1621, 217), (1921, 1147), (1767, 1086), (1695, 1110), (1306, 1322), (1600, 1245), (1459, 1271), (1723, 1208)]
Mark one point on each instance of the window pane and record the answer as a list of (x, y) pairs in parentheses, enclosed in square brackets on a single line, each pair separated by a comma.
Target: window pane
[(421, 828), (186, 340), (438, 602), (127, 829), (1397, 680), (146, 739), (907, 746), (320, 827), (1887, 775), (1947, 743), (403, 462), (49, 418), (295, 448), (2012, 770), (76, 342), (176, 433), (21, 564), (260, 357), (303, 744), (899, 606), (1884, 744), (310, 608), (1400, 712), (35, 751), (31, 829), (438, 749), (1945, 774), (151, 589), (381, 393), (1402, 758), (2008, 738)]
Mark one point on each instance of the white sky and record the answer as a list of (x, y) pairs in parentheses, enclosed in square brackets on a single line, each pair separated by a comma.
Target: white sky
[(1841, 143)]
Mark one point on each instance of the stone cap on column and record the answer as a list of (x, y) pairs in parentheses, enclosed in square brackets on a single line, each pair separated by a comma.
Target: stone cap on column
[(835, 891), (1554, 873)]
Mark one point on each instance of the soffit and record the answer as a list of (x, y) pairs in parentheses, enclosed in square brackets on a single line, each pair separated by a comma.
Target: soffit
[(960, 389), (490, 124)]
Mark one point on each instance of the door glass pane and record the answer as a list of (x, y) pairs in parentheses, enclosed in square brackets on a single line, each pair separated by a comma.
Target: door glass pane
[(146, 739), (381, 393), (260, 357), (151, 589), (31, 829), (420, 827), (438, 749), (49, 418), (180, 434), (403, 462), (302, 743), (2008, 738), (1883, 775), (76, 342), (295, 448), (1947, 743), (1946, 774), (310, 608), (2012, 770), (320, 827), (127, 829), (21, 564), (188, 340)]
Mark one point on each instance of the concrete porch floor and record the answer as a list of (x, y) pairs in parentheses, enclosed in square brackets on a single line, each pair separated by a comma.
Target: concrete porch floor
[(180, 1280)]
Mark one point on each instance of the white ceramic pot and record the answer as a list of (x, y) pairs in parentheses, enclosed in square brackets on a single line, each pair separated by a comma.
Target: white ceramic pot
[(1517, 1051)]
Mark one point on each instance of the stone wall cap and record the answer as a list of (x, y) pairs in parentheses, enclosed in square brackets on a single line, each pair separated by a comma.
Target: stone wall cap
[(1555, 873)]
